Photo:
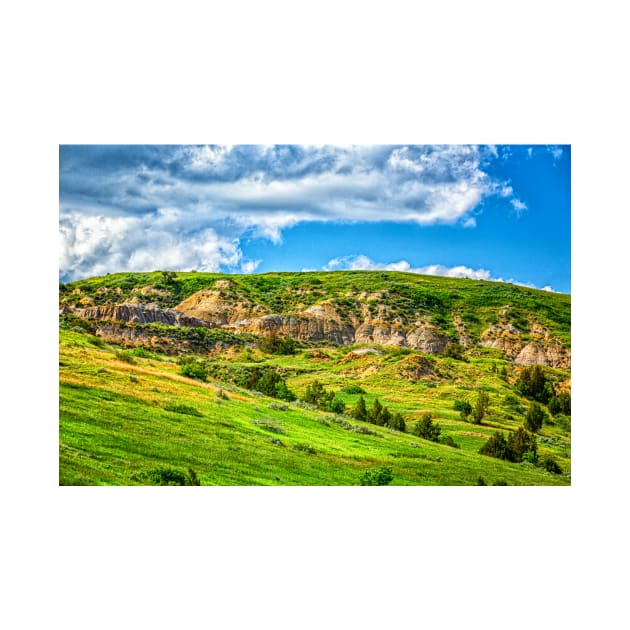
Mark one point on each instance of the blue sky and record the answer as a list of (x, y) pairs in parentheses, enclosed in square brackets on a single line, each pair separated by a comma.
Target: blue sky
[(491, 212)]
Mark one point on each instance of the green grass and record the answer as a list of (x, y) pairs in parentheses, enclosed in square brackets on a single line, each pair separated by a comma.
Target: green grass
[(113, 430), (406, 295)]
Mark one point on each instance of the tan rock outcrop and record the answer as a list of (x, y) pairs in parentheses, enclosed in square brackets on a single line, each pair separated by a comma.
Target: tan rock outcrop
[(140, 313)]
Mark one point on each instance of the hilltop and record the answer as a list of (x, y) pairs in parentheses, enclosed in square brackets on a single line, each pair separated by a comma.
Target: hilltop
[(249, 379), (425, 313)]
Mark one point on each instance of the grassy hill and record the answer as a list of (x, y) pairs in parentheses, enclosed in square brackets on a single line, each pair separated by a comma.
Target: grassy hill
[(132, 416)]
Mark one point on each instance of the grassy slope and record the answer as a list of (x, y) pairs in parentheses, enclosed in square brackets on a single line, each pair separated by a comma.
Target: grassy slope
[(477, 302), (113, 428)]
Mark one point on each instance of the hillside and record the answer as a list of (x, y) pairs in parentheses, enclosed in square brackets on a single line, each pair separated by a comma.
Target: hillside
[(216, 373)]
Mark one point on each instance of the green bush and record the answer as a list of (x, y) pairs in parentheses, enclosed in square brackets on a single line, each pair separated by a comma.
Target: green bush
[(454, 351), (481, 407), (195, 369), (560, 404), (126, 356), (353, 389), (449, 441), (533, 384), (464, 408), (382, 476), (534, 417), (497, 447), (550, 465), (425, 428), (337, 406), (166, 476), (273, 344)]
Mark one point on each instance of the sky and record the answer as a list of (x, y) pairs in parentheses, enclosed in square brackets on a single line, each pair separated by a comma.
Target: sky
[(494, 212)]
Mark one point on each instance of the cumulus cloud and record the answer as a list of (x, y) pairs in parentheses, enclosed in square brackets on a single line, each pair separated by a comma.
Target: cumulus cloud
[(365, 263), (362, 262), (147, 207)]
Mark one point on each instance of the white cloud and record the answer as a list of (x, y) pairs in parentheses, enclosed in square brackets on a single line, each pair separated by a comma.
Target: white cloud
[(518, 205), (362, 262), (98, 245), (151, 206), (555, 151), (249, 266)]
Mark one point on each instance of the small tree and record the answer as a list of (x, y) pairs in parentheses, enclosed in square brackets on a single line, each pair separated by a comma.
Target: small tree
[(534, 417), (533, 384), (521, 443), (497, 447), (481, 407), (425, 428), (337, 405), (464, 408), (360, 410), (396, 422), (376, 413)]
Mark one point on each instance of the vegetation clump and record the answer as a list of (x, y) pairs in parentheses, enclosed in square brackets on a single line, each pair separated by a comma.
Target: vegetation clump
[(378, 414), (534, 417), (519, 445), (382, 476), (167, 476), (126, 356), (273, 344), (426, 429), (193, 368), (533, 384), (481, 407)]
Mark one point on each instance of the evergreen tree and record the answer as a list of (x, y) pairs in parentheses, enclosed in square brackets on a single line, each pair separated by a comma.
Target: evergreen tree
[(520, 442), (481, 407), (426, 429), (376, 413), (534, 417), (360, 410), (386, 418)]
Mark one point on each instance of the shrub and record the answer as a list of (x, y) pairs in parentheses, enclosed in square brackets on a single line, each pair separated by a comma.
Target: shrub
[(521, 443), (454, 351), (425, 428), (375, 414), (126, 356), (550, 465), (397, 422), (449, 441), (353, 389), (360, 410), (166, 476), (380, 477), (534, 417), (193, 368), (481, 407), (532, 383), (273, 344), (464, 408), (97, 341), (337, 406), (560, 404), (497, 447), (306, 448)]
